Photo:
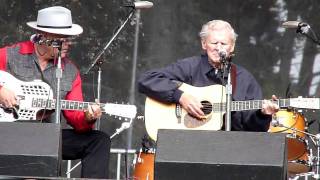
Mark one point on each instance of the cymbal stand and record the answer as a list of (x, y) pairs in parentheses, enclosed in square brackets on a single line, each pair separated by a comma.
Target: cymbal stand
[(316, 141)]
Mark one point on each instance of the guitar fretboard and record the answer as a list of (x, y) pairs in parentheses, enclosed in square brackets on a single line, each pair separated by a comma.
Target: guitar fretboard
[(247, 105), (65, 104)]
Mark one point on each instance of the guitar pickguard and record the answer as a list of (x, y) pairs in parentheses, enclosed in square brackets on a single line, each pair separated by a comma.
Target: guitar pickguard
[(192, 122)]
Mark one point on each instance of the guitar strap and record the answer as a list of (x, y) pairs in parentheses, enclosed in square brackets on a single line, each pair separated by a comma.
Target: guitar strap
[(233, 78)]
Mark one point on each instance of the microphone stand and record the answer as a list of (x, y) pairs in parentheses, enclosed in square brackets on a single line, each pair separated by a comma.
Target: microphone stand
[(98, 62), (304, 29), (226, 61), (58, 44)]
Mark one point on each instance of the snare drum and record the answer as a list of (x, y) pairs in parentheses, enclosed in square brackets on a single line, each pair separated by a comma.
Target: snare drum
[(297, 146), (144, 165)]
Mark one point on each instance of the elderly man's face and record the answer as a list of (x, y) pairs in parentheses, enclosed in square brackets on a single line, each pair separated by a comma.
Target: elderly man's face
[(218, 40)]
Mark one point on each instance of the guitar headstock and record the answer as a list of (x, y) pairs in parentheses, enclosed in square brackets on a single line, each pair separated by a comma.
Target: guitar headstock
[(305, 103), (121, 110)]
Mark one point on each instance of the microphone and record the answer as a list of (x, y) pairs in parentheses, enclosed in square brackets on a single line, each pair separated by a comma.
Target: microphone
[(223, 55), (300, 26), (139, 5), (293, 24), (35, 38)]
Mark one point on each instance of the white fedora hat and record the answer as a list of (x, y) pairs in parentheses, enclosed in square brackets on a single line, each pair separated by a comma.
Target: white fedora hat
[(56, 20)]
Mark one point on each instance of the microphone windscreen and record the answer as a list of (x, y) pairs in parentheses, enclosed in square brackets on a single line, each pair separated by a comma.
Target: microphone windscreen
[(35, 38), (143, 4), (290, 24), (223, 53), (32, 38)]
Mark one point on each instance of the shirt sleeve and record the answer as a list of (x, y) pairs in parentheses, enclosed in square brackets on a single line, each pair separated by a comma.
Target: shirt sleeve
[(255, 120), (162, 84), (3, 59), (252, 120), (76, 118)]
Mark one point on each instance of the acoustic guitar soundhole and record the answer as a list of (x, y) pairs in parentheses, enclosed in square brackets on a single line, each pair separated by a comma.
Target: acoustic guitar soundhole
[(206, 107)]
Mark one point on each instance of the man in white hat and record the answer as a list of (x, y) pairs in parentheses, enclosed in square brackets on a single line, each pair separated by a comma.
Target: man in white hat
[(36, 59)]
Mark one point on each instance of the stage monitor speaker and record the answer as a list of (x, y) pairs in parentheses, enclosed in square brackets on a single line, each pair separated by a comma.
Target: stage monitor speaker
[(30, 149), (220, 155)]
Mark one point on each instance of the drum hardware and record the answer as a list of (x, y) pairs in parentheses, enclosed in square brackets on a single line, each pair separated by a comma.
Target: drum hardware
[(144, 164), (293, 124), (313, 161)]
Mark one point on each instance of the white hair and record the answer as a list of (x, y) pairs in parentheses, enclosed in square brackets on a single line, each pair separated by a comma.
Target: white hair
[(214, 25)]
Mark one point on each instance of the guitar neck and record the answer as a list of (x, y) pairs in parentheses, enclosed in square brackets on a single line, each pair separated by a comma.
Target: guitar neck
[(256, 104), (118, 110), (65, 104), (248, 105)]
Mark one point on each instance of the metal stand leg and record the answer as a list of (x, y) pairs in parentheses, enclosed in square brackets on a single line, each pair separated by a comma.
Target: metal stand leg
[(317, 175), (118, 166), (68, 168)]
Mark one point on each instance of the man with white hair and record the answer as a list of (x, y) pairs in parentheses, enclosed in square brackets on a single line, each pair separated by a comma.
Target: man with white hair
[(37, 59), (217, 39)]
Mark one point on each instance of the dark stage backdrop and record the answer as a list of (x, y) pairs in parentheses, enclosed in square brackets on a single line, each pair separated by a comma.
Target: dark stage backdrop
[(277, 57)]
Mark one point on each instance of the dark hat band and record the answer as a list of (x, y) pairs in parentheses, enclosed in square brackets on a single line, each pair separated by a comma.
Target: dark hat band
[(54, 27)]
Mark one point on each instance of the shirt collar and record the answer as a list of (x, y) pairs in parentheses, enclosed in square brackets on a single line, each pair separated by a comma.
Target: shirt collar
[(207, 68)]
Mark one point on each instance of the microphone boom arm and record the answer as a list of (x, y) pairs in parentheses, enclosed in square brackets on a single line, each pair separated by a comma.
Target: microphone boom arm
[(314, 38), (97, 57)]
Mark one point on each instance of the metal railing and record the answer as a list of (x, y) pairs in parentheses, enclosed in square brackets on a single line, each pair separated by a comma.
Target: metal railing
[(117, 151)]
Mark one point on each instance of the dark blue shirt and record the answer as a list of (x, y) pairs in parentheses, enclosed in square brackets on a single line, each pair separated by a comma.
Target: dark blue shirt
[(161, 84)]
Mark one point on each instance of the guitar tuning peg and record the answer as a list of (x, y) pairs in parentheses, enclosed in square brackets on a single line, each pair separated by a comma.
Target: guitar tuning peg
[(119, 118)]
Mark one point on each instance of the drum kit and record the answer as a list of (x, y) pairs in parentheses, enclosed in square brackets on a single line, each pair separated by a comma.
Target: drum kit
[(301, 160), (144, 165)]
